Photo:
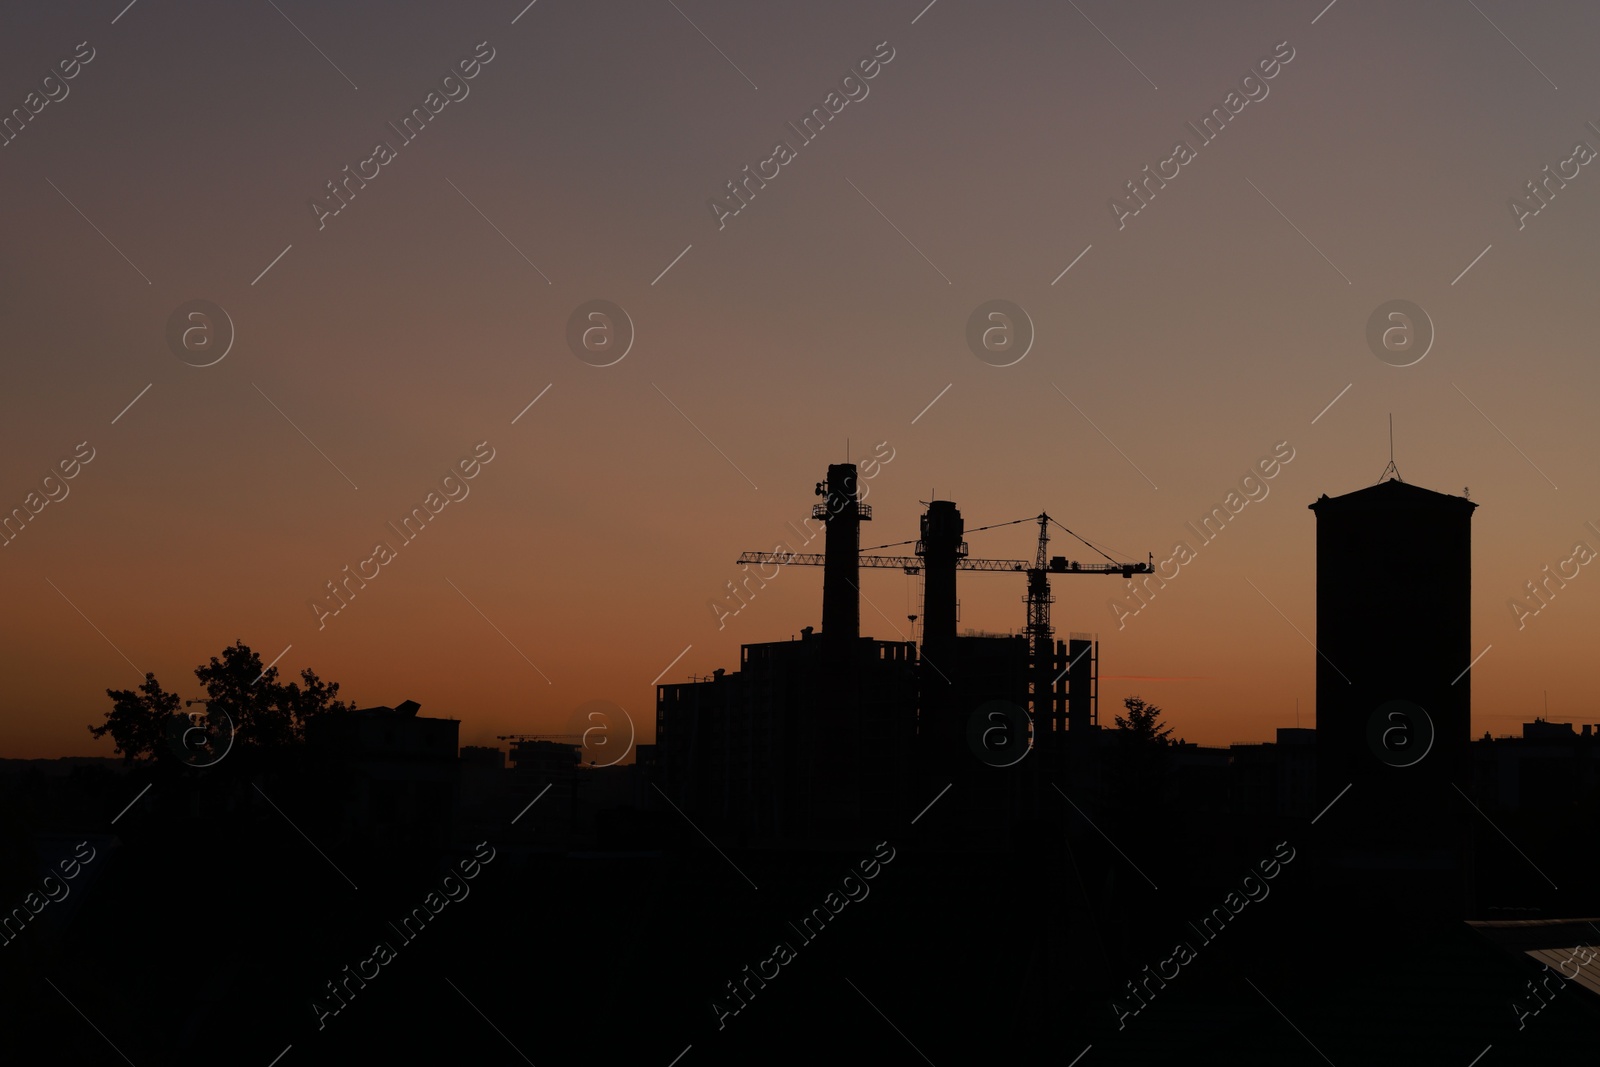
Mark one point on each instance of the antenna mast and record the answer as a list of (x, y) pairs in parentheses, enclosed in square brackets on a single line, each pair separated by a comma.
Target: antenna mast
[(1391, 466)]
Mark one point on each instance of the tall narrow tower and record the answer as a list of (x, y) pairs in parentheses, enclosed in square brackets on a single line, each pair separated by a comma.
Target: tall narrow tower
[(1394, 641), (843, 512), (940, 547)]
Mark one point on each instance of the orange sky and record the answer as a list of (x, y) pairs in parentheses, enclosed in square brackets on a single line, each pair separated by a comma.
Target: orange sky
[(379, 350)]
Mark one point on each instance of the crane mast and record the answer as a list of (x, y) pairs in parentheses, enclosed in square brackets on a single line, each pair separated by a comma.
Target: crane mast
[(941, 552), (1040, 646)]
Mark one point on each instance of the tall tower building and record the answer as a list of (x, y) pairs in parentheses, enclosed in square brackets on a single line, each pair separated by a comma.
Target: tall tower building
[(1394, 641), (843, 513)]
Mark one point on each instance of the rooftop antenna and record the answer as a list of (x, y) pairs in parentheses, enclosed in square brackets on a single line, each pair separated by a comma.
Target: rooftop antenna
[(1297, 713), (1391, 466)]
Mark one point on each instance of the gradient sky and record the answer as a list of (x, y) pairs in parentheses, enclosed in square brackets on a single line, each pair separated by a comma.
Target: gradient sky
[(409, 329)]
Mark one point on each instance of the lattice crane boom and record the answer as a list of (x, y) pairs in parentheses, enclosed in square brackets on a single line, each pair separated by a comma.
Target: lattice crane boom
[(913, 564)]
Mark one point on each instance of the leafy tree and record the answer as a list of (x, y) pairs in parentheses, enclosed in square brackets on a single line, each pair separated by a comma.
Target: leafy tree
[(1143, 722), (263, 712), (317, 698), (137, 721), (1141, 781), (239, 687)]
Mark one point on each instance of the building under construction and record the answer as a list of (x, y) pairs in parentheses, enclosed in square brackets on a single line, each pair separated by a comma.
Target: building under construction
[(832, 734)]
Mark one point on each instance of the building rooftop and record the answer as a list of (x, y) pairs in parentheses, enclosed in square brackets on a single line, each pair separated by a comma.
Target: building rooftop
[(1391, 495)]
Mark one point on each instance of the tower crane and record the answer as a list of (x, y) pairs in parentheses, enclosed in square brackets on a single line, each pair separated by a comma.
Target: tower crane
[(525, 750), (941, 552), (1038, 596)]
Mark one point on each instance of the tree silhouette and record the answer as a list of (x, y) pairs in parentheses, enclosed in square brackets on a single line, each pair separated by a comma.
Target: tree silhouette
[(1143, 722), (263, 712), (239, 687), (1140, 781), (137, 721), (317, 698)]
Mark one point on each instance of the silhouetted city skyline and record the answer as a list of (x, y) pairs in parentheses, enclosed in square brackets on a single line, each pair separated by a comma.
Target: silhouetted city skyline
[(694, 532)]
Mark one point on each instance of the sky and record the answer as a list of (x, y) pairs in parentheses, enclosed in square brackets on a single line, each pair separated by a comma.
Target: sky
[(376, 349)]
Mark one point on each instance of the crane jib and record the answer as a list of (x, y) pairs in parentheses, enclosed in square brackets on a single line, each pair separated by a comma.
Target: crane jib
[(1058, 565)]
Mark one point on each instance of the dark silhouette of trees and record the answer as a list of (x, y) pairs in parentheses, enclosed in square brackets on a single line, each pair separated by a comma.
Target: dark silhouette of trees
[(1141, 785), (264, 713), (317, 698), (137, 721), (1143, 722)]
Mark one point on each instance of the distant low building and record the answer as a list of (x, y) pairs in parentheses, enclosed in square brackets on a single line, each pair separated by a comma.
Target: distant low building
[(793, 738), (1273, 779), (394, 775), (488, 757), (1550, 767)]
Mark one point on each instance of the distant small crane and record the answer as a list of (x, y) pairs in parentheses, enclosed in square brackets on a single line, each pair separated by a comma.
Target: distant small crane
[(523, 748)]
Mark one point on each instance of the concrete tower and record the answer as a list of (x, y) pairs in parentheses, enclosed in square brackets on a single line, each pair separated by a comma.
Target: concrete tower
[(1394, 640), (941, 547), (842, 511)]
